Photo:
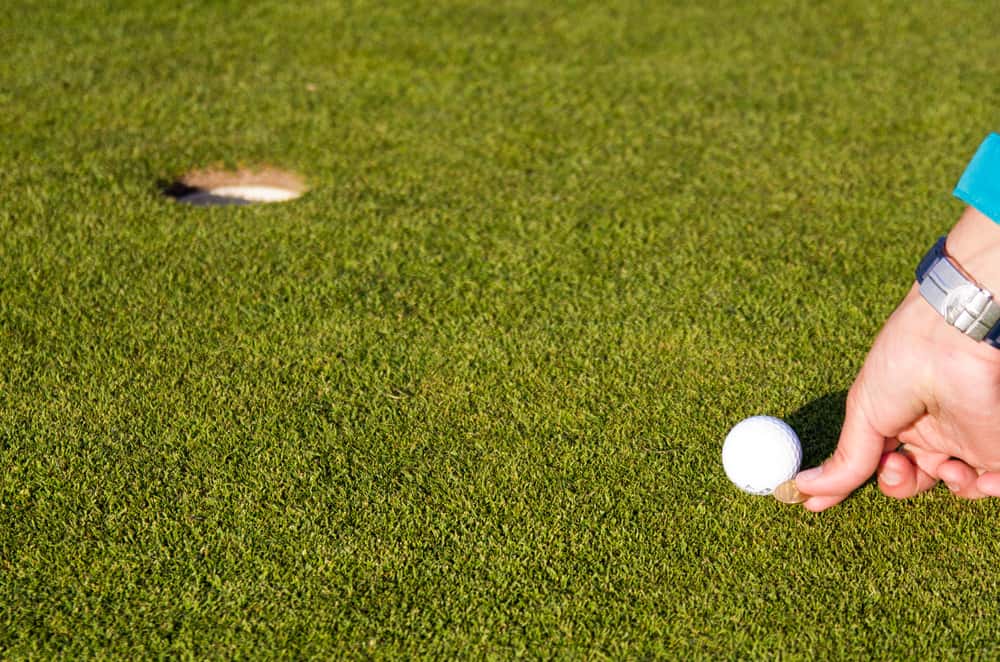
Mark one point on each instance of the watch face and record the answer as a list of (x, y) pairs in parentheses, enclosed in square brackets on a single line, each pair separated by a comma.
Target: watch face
[(958, 303)]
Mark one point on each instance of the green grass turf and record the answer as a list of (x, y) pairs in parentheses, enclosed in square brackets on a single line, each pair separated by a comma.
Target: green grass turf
[(466, 398)]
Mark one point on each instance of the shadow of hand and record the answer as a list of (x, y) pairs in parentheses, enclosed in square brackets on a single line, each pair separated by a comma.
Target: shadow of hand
[(818, 425)]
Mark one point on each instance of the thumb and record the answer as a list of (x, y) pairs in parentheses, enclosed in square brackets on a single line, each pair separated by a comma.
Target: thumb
[(852, 463)]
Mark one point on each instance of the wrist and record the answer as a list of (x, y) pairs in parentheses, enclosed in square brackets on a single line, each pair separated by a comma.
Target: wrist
[(935, 336), (974, 245)]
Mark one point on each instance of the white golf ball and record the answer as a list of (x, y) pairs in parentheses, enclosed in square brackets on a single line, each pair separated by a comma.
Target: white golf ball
[(760, 453)]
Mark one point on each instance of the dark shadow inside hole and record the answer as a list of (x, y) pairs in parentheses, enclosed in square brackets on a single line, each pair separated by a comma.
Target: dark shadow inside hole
[(192, 195)]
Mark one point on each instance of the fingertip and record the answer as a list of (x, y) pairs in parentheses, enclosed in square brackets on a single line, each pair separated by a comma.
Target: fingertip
[(897, 477), (961, 479), (989, 483), (805, 478)]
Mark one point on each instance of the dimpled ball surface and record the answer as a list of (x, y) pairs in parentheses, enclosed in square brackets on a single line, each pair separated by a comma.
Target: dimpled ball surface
[(760, 453)]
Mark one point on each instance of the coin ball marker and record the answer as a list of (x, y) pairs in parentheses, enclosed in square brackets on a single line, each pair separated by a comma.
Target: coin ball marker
[(760, 453), (788, 492)]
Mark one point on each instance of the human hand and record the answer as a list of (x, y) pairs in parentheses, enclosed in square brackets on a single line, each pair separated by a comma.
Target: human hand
[(926, 385)]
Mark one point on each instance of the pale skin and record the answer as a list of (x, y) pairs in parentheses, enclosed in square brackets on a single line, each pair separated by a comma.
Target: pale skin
[(926, 385)]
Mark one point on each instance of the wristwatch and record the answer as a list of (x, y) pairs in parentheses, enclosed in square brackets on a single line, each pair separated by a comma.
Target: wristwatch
[(964, 304)]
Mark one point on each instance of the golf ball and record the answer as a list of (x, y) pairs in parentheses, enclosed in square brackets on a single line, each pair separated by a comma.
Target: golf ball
[(760, 453)]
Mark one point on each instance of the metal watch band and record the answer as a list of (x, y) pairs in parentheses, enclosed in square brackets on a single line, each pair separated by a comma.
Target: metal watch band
[(963, 304)]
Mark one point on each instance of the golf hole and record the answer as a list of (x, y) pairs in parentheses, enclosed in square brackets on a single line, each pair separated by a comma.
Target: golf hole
[(215, 187)]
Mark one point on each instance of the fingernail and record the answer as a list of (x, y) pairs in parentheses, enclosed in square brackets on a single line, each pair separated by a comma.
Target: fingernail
[(891, 477), (810, 474), (953, 488)]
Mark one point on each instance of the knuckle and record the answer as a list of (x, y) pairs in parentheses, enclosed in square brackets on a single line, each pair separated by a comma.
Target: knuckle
[(857, 398), (841, 457)]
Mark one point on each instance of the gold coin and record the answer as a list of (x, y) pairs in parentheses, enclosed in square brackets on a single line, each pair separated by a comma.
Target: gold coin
[(787, 492)]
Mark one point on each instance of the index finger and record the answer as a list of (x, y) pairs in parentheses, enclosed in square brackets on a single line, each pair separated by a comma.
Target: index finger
[(852, 463)]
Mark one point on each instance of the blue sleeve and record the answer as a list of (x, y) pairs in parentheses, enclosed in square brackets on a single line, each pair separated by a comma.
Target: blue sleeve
[(980, 183)]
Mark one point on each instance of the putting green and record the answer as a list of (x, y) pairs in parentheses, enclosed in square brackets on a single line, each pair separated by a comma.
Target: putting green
[(466, 397)]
